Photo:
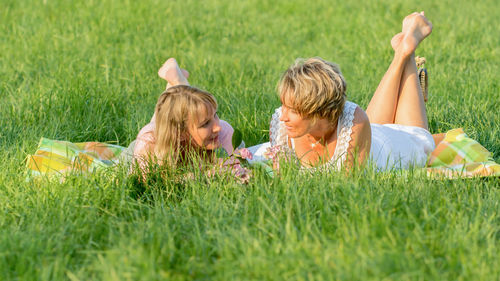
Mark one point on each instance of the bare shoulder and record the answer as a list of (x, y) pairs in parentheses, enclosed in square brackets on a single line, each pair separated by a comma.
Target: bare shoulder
[(361, 129), (359, 147), (360, 120)]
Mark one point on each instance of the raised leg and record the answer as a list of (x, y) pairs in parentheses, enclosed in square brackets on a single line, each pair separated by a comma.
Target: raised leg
[(173, 74), (411, 106), (398, 98), (382, 106)]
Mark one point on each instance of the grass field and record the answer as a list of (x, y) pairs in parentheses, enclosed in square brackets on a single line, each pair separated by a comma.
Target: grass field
[(86, 70)]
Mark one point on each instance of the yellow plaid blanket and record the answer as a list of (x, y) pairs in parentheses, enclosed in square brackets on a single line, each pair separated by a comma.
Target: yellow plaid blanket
[(460, 156), (60, 157)]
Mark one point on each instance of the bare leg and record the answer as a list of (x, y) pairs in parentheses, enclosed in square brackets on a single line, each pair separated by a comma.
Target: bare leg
[(411, 106), (382, 106), (385, 102), (174, 75), (410, 109)]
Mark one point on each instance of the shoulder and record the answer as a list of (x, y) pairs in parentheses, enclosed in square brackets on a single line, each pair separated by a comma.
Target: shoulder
[(147, 132), (352, 112), (349, 108), (277, 114), (360, 117), (145, 139), (355, 125), (226, 128), (275, 121), (226, 136), (277, 132), (275, 118), (360, 143), (360, 123), (361, 129)]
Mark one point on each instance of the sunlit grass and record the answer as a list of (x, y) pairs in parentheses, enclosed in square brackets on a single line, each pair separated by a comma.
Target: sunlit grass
[(86, 71)]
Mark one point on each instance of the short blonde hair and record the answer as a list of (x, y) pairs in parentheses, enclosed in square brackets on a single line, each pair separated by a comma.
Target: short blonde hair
[(176, 107), (315, 88)]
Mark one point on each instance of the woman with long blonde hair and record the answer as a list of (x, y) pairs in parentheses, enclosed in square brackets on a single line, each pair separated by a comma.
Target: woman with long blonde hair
[(185, 122)]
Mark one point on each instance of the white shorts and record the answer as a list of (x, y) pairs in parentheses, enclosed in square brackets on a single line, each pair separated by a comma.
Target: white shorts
[(400, 147)]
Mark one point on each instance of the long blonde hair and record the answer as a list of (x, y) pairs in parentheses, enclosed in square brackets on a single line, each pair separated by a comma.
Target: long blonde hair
[(314, 88), (176, 107)]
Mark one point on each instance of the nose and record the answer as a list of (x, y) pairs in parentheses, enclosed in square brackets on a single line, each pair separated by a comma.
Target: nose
[(216, 127), (284, 114)]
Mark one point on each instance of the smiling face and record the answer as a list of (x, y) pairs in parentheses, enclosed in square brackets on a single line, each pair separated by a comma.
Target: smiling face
[(203, 130), (312, 91), (296, 125), (185, 118)]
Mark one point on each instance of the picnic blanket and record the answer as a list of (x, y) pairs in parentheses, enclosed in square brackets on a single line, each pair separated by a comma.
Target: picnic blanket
[(457, 156), (55, 157)]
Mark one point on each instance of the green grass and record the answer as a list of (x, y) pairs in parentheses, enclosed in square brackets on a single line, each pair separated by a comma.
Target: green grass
[(86, 70)]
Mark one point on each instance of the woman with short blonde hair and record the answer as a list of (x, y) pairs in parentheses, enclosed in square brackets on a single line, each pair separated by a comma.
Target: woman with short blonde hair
[(323, 129), (315, 87)]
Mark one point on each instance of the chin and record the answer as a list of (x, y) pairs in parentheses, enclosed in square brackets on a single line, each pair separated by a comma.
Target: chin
[(293, 134), (212, 146)]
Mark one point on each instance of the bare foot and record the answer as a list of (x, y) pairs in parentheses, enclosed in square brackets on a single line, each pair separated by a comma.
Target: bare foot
[(174, 75), (183, 71), (396, 40), (407, 21), (415, 28)]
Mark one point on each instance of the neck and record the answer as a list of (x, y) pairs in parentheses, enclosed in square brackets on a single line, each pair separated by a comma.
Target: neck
[(322, 132)]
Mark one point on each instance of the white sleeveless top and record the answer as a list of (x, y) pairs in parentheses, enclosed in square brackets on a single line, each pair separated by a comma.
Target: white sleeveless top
[(278, 136), (393, 146)]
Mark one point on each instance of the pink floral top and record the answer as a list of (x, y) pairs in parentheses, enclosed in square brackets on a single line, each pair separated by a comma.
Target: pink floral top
[(145, 141)]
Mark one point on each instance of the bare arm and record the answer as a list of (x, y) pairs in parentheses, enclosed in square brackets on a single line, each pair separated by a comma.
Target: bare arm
[(361, 137)]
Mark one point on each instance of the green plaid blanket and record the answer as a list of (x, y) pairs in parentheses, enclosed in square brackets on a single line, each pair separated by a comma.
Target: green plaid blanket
[(460, 156)]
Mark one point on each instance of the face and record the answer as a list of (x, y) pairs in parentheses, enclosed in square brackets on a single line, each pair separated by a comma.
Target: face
[(204, 130), (296, 125)]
